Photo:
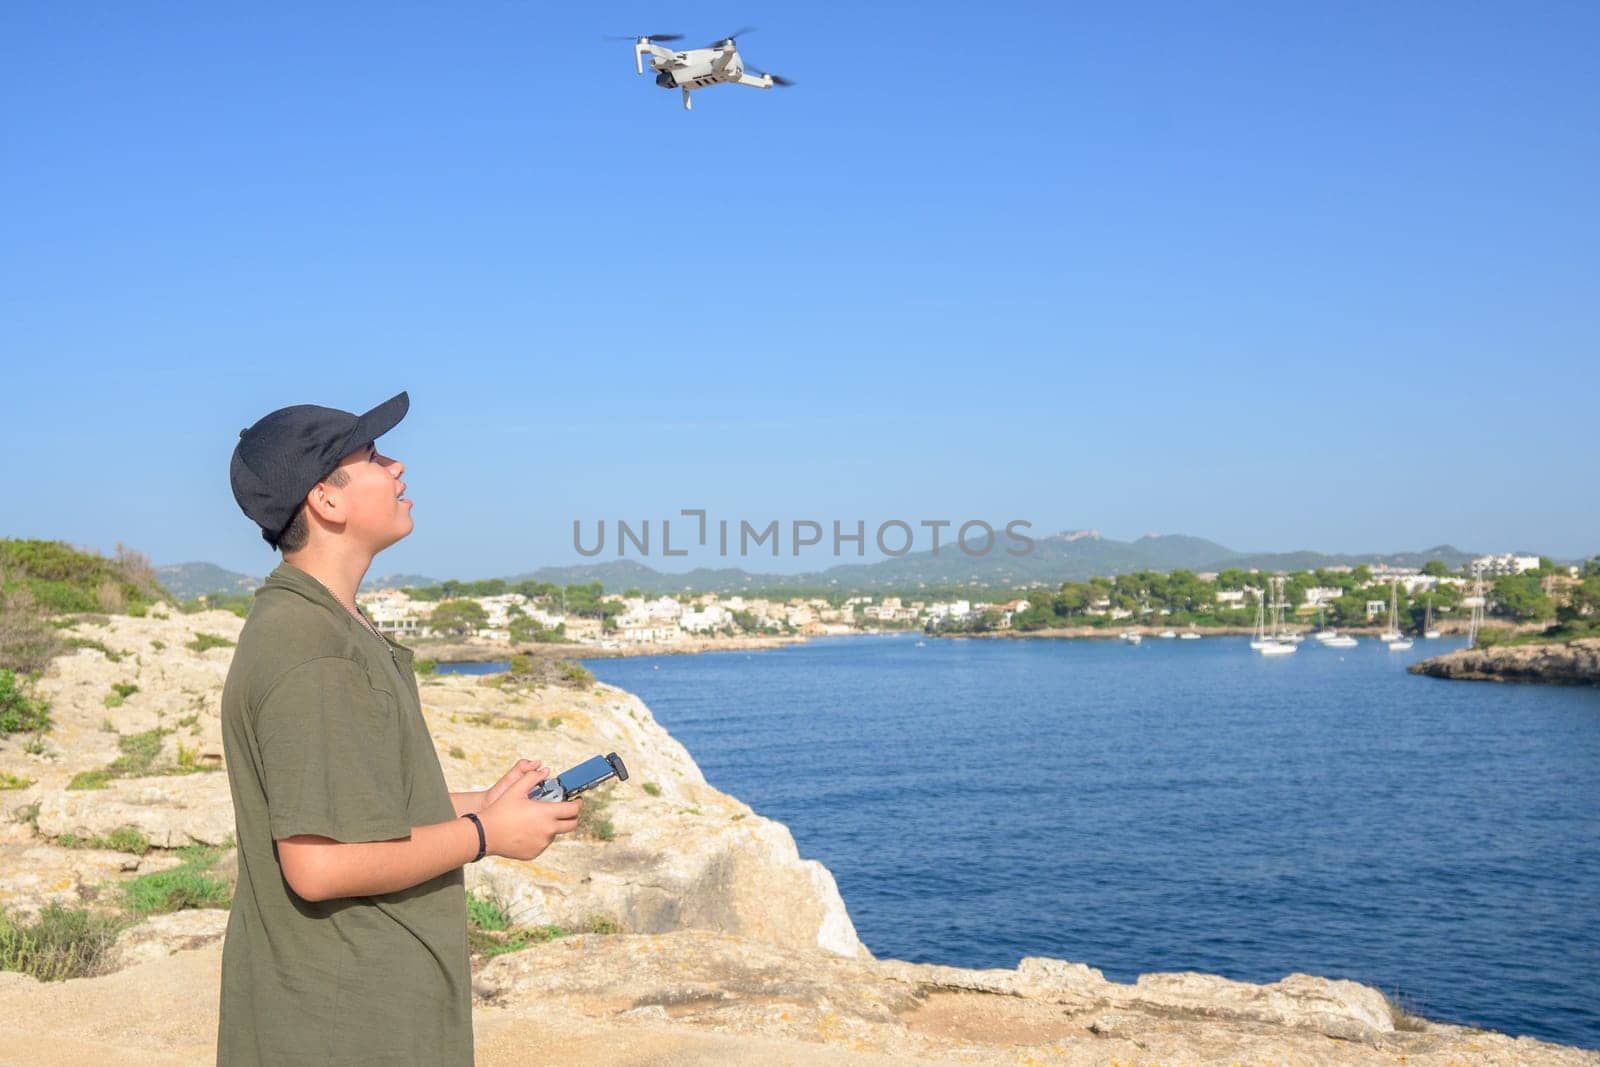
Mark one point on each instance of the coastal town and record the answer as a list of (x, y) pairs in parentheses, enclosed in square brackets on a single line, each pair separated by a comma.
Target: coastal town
[(499, 611)]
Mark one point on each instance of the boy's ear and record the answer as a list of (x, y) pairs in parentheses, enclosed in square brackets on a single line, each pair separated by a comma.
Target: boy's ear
[(324, 502)]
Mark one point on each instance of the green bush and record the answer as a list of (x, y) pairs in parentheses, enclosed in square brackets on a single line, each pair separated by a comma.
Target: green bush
[(594, 821), (652, 789), (491, 932), (89, 642), (122, 839), (598, 923), (65, 579), (575, 674), (11, 781), (238, 603), (138, 760), (20, 712), (425, 666), (28, 640), (61, 943), (204, 641), (189, 885), (95, 779), (27, 814)]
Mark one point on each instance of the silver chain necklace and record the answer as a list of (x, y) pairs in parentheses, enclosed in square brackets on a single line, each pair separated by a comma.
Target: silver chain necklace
[(357, 613)]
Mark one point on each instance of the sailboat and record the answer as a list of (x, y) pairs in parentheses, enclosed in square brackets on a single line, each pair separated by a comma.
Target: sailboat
[(1428, 631), (1392, 637), (1323, 633), (1259, 641), (1276, 645), (1393, 634)]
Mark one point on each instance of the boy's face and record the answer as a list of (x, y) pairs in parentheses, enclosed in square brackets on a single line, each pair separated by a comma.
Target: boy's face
[(374, 512)]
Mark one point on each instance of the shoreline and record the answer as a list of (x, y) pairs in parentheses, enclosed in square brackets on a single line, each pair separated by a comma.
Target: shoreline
[(1452, 628), (1574, 663), (474, 650), (482, 650)]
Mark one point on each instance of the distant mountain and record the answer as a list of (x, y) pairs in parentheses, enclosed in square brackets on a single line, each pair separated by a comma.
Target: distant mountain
[(189, 580), (1072, 555), (1451, 556)]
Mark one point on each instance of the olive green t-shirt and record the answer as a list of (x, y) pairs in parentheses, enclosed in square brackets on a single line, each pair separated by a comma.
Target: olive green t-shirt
[(323, 734)]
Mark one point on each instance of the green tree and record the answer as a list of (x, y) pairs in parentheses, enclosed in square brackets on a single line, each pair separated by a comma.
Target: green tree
[(1522, 596), (458, 617), (1435, 568), (524, 628), (1234, 578), (1350, 609)]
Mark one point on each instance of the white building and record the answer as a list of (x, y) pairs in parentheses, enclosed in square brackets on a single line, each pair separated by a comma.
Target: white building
[(498, 608), (396, 614), (1500, 566), (711, 617)]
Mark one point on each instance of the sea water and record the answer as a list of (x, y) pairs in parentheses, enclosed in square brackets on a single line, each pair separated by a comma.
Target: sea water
[(1177, 805)]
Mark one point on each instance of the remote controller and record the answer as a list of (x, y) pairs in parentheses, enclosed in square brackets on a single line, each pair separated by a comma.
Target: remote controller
[(585, 776)]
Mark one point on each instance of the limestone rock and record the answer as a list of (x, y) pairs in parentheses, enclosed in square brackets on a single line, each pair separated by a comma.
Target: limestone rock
[(163, 935), (34, 873), (171, 812), (1569, 663)]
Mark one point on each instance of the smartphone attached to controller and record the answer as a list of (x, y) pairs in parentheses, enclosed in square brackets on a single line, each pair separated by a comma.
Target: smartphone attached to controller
[(583, 777)]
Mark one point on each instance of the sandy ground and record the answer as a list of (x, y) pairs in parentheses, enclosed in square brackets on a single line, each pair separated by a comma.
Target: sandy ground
[(148, 1016)]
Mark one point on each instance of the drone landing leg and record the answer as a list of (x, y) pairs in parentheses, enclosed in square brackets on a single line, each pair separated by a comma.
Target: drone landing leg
[(686, 105)]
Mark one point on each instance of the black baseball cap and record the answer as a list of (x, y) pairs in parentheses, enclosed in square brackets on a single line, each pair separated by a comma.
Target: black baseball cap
[(279, 459)]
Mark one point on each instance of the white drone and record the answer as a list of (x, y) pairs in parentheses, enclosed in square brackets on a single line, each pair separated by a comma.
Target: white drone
[(716, 64)]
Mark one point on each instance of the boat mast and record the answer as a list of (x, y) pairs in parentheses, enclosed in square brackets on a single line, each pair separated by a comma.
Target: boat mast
[(1477, 612)]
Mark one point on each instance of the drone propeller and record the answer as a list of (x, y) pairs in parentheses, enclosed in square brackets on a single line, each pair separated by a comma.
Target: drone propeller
[(740, 32), (776, 80), (647, 37)]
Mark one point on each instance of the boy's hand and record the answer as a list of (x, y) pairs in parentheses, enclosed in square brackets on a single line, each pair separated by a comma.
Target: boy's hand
[(519, 828), (524, 766)]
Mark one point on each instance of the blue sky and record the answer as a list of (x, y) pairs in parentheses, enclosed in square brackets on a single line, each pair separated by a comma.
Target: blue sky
[(1285, 276)]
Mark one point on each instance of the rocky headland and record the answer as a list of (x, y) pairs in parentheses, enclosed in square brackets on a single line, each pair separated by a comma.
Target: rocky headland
[(1551, 663), (708, 938)]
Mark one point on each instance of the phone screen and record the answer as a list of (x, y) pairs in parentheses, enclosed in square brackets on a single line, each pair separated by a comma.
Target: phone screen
[(585, 775)]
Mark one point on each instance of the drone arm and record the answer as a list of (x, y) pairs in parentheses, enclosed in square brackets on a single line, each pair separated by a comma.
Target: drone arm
[(764, 81), (638, 56)]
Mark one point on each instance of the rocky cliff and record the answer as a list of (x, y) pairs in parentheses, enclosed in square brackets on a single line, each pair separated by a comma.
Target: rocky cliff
[(723, 945), (1569, 663)]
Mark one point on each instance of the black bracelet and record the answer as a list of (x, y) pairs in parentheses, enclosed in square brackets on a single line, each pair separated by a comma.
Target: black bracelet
[(483, 843)]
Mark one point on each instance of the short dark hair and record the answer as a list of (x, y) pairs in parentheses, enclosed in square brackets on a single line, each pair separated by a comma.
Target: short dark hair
[(293, 537)]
